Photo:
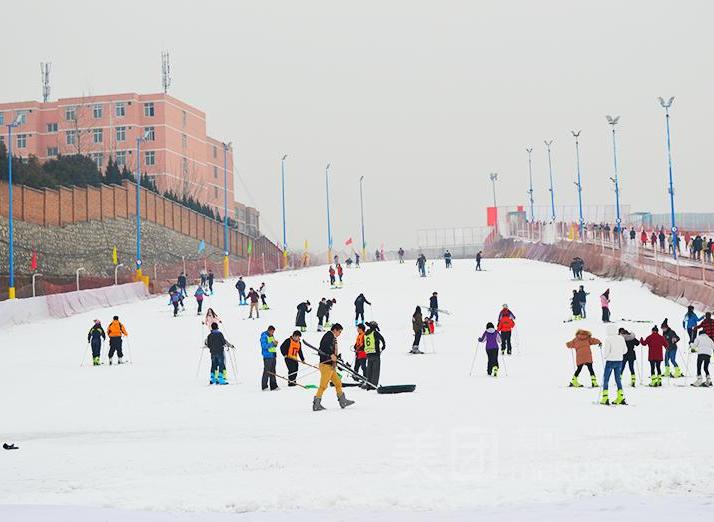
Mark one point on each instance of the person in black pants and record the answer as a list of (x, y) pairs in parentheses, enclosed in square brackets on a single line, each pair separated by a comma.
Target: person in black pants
[(359, 308), (418, 327), (95, 337), (291, 350), (434, 307), (210, 281), (374, 345)]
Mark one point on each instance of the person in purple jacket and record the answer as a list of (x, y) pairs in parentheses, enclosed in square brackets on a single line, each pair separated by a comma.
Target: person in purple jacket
[(493, 340)]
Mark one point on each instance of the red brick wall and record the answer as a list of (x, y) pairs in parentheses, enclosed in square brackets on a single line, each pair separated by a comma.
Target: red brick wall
[(80, 203), (66, 207), (94, 204), (108, 210), (52, 214), (33, 206), (120, 202)]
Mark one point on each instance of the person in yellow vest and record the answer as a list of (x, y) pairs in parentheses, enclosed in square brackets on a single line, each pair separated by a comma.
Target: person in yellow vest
[(328, 369), (374, 345), (291, 350), (115, 332)]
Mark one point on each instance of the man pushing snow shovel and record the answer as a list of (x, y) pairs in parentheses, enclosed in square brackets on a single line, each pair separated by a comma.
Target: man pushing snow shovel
[(328, 369)]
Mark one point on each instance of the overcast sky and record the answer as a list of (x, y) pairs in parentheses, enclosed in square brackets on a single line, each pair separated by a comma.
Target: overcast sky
[(423, 98)]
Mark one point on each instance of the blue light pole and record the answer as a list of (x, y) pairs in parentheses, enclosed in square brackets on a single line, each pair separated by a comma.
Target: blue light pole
[(616, 180), (530, 176), (11, 224), (329, 226), (579, 184), (226, 248), (550, 171), (675, 238), (139, 274), (361, 206), (285, 235)]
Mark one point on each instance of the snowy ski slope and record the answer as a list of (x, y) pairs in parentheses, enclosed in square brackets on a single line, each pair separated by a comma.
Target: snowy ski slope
[(151, 436)]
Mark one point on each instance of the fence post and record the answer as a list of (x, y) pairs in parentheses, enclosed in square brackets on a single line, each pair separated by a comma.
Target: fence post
[(34, 276), (80, 269)]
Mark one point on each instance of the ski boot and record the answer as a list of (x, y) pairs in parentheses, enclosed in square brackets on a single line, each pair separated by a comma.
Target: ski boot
[(620, 398), (678, 372), (494, 371), (708, 382), (659, 380), (667, 373), (633, 380), (119, 361), (220, 378), (319, 328), (699, 382), (509, 351), (316, 404), (593, 382), (213, 378), (110, 361), (574, 383), (604, 400), (303, 329), (344, 401), (96, 361), (653, 381)]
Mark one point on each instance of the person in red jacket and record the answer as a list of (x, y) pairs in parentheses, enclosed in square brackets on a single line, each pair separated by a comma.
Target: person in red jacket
[(339, 272), (643, 238), (656, 344), (360, 354), (506, 324), (332, 276), (707, 325)]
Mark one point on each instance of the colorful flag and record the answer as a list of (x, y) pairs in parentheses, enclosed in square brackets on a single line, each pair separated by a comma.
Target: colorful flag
[(250, 247), (306, 245), (348, 242), (201, 246), (115, 257), (33, 262)]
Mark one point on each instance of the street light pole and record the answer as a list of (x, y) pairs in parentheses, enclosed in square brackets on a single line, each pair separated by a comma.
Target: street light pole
[(226, 250), (550, 173), (616, 180), (530, 177), (361, 206), (579, 184), (11, 223), (675, 238), (139, 274), (329, 227), (285, 235), (494, 177)]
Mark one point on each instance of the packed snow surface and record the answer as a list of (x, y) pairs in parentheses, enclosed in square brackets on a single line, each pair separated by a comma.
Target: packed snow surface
[(153, 436)]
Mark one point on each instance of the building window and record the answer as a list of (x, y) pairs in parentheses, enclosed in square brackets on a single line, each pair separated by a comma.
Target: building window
[(121, 133), (70, 113), (51, 127), (21, 141), (97, 135), (215, 152), (97, 111), (52, 152), (2, 140), (183, 118), (2, 118), (71, 137), (22, 117), (149, 109), (149, 133), (215, 171), (98, 159), (121, 158), (150, 157), (184, 141), (120, 109)]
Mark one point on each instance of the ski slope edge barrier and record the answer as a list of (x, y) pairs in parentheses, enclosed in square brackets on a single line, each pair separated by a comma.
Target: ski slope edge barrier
[(20, 311)]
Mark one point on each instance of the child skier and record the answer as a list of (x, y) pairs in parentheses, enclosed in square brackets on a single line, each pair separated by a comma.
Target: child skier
[(253, 296), (630, 357), (613, 350), (175, 299), (605, 305), (360, 355), (302, 310), (703, 345), (95, 337), (670, 354), (211, 317), (261, 291), (216, 344), (656, 343), (359, 308), (418, 327), (321, 313), (506, 324), (581, 343), (199, 295), (291, 350), (690, 321), (332, 276), (492, 339)]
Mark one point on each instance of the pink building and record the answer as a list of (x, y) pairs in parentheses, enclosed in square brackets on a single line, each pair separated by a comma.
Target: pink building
[(177, 152)]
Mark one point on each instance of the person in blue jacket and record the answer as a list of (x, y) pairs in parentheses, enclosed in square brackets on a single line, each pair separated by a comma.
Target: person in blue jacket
[(269, 345), (690, 322), (95, 337)]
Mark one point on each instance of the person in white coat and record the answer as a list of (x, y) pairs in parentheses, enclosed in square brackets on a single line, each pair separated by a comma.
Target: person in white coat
[(613, 349), (703, 345)]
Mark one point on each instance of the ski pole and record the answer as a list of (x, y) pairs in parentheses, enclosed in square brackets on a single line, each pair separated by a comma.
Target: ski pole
[(473, 362), (128, 351), (84, 353), (286, 379), (200, 359), (502, 362), (642, 382)]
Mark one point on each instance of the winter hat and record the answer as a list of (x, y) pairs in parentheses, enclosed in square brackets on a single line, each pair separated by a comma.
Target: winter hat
[(97, 321), (664, 323), (505, 305), (489, 325), (655, 329)]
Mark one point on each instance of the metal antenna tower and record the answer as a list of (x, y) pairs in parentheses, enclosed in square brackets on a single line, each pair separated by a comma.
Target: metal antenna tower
[(45, 70), (165, 71)]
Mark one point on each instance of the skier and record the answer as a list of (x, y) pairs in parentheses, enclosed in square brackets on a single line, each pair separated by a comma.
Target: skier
[(605, 305), (268, 346), (211, 277), (707, 325), (360, 355), (356, 260), (377, 257), (613, 350), (329, 353), (291, 350), (175, 300), (670, 354), (240, 285), (656, 343), (418, 327), (332, 276), (253, 296), (434, 307), (216, 344), (261, 292), (506, 324), (630, 357), (478, 260), (400, 252), (576, 307), (703, 345), (492, 339), (690, 321), (203, 275), (374, 345), (359, 308), (199, 294), (582, 297), (116, 331), (447, 259), (421, 265), (339, 272), (211, 317), (581, 343), (95, 337), (302, 310), (181, 281), (321, 313), (337, 259), (329, 303)]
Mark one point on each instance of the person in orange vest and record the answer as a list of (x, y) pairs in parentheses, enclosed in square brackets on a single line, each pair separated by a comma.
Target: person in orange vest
[(291, 350), (360, 354), (115, 332), (506, 324)]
